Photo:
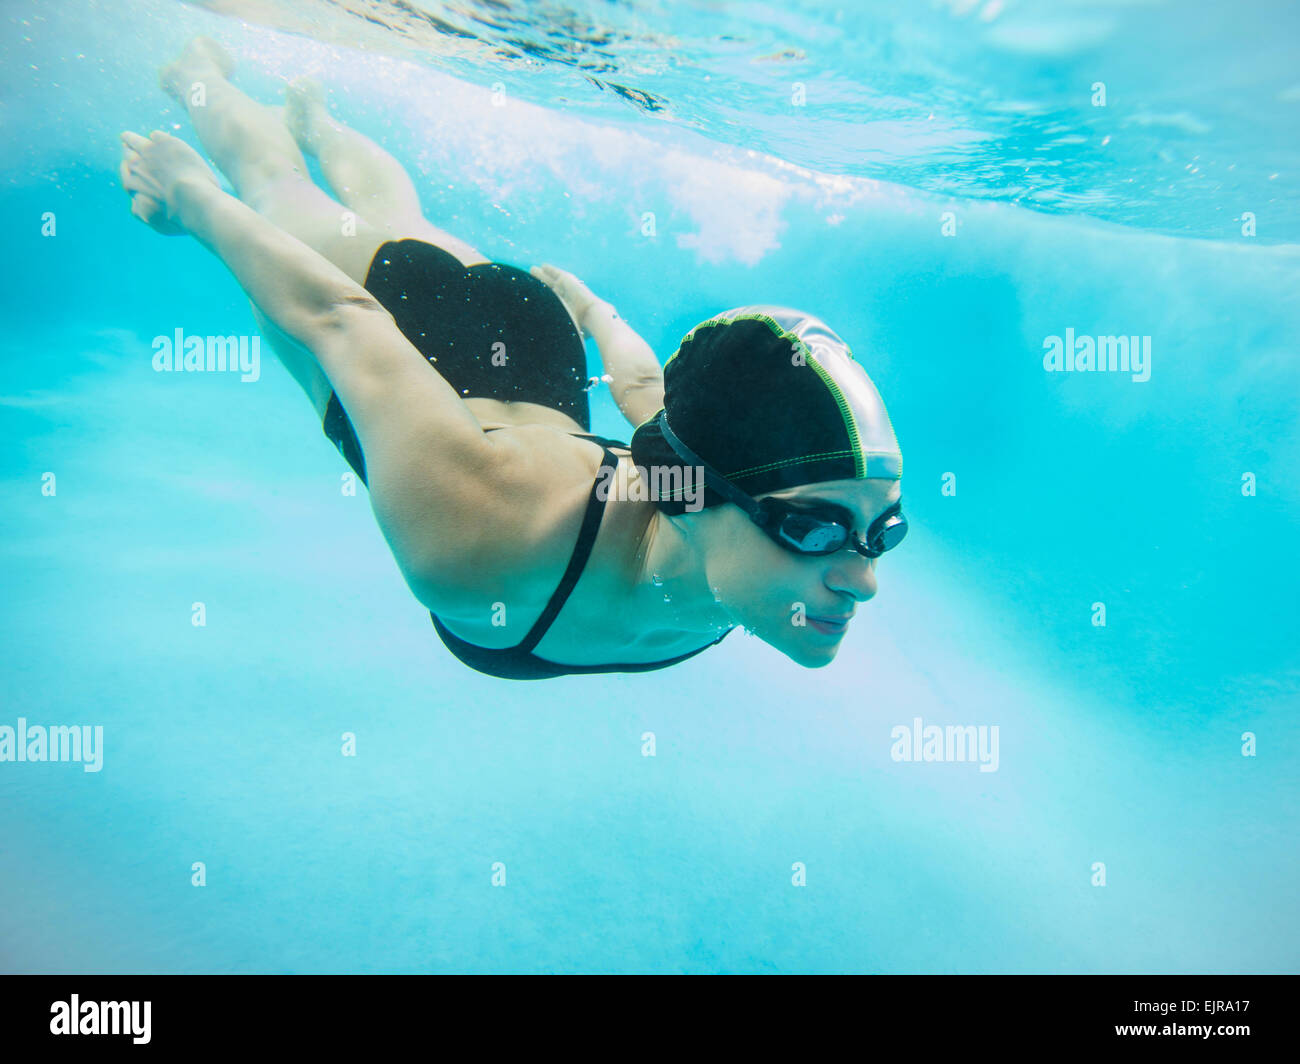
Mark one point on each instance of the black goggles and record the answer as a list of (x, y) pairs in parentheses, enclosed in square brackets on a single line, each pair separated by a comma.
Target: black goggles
[(824, 528), (815, 528)]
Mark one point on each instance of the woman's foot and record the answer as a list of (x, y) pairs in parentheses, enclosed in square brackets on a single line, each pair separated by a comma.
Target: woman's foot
[(200, 59), (305, 113)]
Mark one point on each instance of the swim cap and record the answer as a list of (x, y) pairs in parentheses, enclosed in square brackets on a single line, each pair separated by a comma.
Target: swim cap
[(771, 398)]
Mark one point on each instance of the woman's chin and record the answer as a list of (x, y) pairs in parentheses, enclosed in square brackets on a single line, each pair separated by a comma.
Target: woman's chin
[(812, 653)]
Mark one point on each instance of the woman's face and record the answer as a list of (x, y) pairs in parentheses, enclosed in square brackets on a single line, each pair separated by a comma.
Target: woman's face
[(793, 601)]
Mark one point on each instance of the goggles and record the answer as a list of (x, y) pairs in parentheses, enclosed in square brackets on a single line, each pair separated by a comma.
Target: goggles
[(814, 528)]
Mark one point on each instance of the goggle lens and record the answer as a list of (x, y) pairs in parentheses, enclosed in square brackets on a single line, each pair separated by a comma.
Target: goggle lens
[(813, 535), (890, 535), (828, 531)]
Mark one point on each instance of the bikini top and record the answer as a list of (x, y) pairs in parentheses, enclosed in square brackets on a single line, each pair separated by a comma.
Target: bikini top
[(519, 662)]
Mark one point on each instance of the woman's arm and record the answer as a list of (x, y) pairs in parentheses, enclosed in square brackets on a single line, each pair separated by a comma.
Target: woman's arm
[(637, 378)]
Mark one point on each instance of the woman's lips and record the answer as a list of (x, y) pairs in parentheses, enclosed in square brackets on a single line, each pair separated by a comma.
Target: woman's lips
[(829, 627)]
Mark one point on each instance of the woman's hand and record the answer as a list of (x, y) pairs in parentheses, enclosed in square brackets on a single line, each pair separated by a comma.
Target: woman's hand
[(575, 295), (153, 170)]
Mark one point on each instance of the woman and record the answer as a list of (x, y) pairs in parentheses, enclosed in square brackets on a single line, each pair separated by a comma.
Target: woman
[(456, 389)]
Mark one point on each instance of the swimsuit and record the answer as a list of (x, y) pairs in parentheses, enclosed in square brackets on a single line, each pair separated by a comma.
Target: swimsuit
[(456, 317)]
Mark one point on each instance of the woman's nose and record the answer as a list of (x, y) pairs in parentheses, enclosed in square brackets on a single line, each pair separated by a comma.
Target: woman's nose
[(854, 576)]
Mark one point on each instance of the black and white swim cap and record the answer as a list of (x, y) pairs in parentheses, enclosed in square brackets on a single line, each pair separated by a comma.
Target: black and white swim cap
[(772, 398)]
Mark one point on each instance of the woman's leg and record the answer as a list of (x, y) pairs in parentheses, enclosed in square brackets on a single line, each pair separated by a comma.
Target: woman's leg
[(361, 174), (252, 147)]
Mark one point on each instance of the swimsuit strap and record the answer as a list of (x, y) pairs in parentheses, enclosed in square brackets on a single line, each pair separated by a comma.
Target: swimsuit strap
[(581, 552)]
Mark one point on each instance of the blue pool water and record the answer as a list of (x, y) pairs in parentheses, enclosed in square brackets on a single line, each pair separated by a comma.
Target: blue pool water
[(1119, 745)]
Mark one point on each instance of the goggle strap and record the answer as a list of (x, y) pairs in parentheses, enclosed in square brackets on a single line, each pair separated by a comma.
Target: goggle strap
[(712, 477), (758, 513)]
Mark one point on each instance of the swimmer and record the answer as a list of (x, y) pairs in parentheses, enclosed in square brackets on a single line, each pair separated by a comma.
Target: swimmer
[(456, 389)]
